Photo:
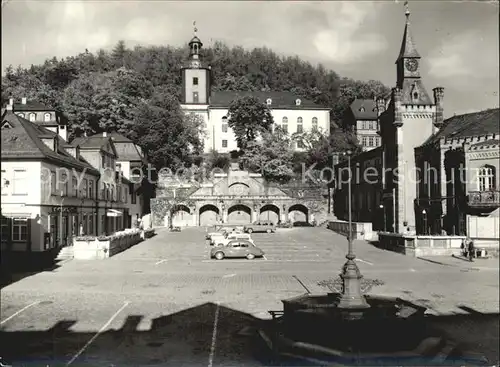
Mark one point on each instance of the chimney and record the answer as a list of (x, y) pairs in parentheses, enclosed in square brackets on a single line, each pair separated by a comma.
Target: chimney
[(104, 134), (380, 105), (396, 97), (438, 100), (23, 100)]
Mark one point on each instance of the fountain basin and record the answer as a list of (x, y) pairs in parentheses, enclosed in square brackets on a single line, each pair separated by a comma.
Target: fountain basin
[(391, 331)]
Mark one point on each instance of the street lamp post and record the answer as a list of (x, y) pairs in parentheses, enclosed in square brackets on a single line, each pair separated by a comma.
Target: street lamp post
[(352, 297), (61, 218), (381, 206), (424, 214)]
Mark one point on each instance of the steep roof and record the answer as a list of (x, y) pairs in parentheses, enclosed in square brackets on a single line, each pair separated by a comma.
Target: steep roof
[(470, 124), (364, 109), (280, 100), (126, 149), (408, 48), (23, 141)]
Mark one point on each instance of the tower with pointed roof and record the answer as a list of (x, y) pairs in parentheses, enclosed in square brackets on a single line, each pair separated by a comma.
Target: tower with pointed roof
[(406, 122), (195, 75)]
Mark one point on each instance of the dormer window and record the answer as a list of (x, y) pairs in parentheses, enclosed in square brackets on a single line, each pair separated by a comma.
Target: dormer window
[(46, 117), (269, 101), (415, 95), (20, 115), (6, 125), (298, 102), (361, 109), (32, 117)]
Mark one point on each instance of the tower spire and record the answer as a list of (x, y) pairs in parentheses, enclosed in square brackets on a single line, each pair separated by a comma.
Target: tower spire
[(408, 48), (195, 30)]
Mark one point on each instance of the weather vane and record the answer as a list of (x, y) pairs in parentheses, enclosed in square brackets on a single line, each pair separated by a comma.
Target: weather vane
[(407, 8), (195, 29)]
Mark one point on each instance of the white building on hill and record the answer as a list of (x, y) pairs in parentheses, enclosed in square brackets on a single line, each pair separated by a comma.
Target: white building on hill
[(289, 111)]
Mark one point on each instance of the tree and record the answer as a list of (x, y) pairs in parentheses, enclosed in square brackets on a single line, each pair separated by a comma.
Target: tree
[(248, 118), (271, 156)]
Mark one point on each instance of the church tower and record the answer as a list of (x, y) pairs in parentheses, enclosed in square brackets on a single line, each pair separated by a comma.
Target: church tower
[(410, 118), (195, 75)]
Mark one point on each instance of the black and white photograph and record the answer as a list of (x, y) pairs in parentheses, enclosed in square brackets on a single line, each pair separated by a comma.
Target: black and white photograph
[(249, 183)]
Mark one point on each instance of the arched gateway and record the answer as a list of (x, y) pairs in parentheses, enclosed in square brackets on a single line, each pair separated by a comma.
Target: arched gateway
[(182, 216), (239, 214), (298, 213), (209, 215), (269, 213)]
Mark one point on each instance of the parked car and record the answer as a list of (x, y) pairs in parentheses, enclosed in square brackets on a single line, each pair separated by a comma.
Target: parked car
[(260, 227), (223, 240), (302, 224), (175, 229), (237, 249)]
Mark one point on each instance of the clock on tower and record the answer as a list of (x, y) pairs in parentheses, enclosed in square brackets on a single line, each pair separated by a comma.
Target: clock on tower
[(411, 65)]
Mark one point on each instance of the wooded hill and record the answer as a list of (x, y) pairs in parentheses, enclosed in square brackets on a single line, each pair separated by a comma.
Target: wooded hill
[(136, 91)]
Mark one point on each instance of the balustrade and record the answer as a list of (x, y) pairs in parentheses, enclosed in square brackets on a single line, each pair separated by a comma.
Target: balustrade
[(484, 198)]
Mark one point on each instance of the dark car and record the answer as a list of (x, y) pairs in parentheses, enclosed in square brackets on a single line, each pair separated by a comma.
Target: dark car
[(237, 249)]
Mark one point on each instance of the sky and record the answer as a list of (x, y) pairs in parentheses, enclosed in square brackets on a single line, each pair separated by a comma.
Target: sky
[(458, 41)]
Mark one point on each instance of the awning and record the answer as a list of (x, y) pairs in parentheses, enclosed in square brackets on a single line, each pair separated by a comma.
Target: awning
[(114, 213)]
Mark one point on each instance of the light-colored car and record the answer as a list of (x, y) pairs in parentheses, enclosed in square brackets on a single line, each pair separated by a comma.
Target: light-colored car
[(236, 249), (221, 241), (260, 227)]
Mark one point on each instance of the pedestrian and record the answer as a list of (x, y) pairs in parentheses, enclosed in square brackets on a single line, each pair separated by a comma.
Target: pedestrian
[(471, 250)]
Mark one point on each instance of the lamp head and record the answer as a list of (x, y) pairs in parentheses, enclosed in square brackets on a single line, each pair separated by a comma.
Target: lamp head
[(424, 212), (381, 206), (348, 152)]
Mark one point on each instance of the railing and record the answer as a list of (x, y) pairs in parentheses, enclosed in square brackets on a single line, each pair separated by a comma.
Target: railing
[(484, 198)]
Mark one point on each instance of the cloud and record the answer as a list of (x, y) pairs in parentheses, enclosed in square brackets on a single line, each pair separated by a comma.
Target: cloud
[(343, 40), (458, 57)]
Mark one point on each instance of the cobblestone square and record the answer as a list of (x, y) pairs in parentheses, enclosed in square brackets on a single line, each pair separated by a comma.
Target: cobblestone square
[(164, 302)]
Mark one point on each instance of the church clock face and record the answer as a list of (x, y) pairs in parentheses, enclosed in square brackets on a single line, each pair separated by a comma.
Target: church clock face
[(411, 65), (195, 64)]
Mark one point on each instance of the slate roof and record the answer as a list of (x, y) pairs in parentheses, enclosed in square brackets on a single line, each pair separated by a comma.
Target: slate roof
[(23, 141), (408, 48), (30, 106), (364, 109), (94, 142), (470, 124), (280, 100), (126, 149)]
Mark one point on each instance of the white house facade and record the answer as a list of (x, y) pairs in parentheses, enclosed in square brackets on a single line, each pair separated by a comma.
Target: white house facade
[(293, 113)]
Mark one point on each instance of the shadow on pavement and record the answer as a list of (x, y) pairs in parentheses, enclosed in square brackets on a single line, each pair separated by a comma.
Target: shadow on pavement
[(187, 338)]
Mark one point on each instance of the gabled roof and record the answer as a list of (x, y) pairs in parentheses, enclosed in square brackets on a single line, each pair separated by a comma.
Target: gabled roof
[(364, 109), (470, 124), (126, 149), (23, 141), (279, 100), (96, 142)]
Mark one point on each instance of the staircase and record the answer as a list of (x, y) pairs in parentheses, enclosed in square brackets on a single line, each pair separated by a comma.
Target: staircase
[(66, 253)]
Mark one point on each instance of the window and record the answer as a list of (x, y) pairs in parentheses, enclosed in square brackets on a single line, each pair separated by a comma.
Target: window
[(300, 127), (119, 193), (300, 144), (298, 102), (284, 124), (224, 143), (364, 140), (19, 229), (20, 182), (46, 117), (91, 189), (84, 222), (74, 187), (84, 189), (63, 184), (224, 128), (111, 193), (126, 195), (371, 142), (415, 95), (53, 183), (195, 81), (4, 183), (134, 197), (269, 101), (103, 156), (4, 229), (486, 178), (195, 97), (20, 115), (314, 124), (32, 117), (118, 167), (362, 109)]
